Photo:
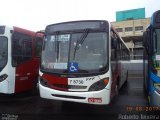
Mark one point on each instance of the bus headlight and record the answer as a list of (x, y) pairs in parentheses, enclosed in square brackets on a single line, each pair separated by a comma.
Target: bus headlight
[(3, 77), (100, 85), (43, 82)]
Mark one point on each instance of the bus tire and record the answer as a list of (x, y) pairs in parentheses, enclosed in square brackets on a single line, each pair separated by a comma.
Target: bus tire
[(117, 87), (127, 77), (117, 90), (35, 89)]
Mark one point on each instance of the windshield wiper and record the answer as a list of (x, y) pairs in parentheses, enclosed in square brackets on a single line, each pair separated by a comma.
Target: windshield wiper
[(80, 41)]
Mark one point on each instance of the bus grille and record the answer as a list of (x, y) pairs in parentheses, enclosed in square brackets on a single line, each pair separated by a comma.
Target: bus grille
[(66, 87), (66, 96)]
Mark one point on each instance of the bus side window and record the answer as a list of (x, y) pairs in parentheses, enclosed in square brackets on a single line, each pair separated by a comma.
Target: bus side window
[(154, 41), (113, 46), (38, 46), (118, 49), (123, 55), (21, 48)]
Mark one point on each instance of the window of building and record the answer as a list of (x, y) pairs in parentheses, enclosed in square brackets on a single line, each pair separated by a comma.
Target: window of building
[(127, 29), (137, 28), (119, 29)]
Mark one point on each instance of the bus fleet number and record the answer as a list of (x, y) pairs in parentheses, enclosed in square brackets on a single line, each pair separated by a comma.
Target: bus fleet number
[(77, 82)]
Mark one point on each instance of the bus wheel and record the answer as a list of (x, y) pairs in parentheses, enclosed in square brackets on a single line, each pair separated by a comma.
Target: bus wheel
[(117, 90), (35, 89), (117, 86), (127, 76)]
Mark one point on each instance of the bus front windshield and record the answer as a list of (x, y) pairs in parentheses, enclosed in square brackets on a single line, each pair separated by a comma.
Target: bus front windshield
[(75, 53), (3, 51)]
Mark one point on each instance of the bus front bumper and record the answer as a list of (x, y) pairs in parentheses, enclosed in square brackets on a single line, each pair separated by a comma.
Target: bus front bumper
[(94, 97)]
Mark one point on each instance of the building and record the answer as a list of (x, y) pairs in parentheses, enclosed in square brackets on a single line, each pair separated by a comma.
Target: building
[(130, 25)]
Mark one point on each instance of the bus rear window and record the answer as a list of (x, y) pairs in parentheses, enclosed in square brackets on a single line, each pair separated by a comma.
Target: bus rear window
[(3, 51), (21, 48)]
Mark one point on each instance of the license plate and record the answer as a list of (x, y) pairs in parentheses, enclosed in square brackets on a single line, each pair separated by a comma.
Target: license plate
[(95, 100), (81, 81), (76, 82)]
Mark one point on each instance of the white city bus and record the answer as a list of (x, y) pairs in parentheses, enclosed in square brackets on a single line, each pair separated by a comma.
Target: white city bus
[(82, 61), (19, 59)]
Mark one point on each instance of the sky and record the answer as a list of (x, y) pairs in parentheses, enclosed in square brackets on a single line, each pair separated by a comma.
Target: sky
[(36, 14)]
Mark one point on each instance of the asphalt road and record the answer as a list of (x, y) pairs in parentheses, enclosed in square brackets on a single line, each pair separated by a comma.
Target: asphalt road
[(130, 104)]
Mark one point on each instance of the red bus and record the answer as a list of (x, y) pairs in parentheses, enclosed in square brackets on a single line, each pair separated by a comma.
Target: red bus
[(19, 59)]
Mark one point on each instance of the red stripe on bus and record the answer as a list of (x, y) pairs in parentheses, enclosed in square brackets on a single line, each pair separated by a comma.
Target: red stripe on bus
[(53, 79)]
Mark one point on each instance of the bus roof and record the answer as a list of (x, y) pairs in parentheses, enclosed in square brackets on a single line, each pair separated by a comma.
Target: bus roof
[(29, 32), (77, 25), (3, 28)]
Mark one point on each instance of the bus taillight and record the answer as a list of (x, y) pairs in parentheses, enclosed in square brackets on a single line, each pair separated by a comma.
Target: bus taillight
[(3, 77)]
